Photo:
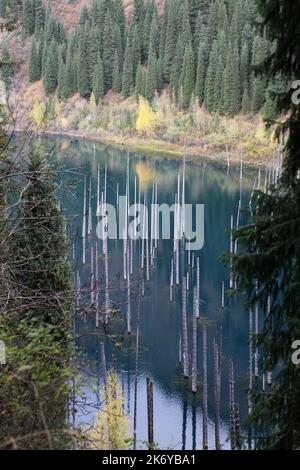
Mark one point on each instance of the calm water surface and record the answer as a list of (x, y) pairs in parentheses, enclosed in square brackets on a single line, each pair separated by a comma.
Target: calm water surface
[(177, 412)]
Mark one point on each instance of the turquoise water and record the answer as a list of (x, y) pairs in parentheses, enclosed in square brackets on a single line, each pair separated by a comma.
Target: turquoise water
[(177, 412)]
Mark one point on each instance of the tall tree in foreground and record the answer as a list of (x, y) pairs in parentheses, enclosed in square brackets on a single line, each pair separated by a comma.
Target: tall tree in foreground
[(41, 244), (268, 269)]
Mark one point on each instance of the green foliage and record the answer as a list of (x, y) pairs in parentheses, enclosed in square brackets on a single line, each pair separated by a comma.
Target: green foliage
[(35, 65), (128, 78), (188, 76), (268, 268), (43, 265), (219, 35), (35, 321), (232, 91), (117, 78), (98, 82), (6, 66), (51, 69)]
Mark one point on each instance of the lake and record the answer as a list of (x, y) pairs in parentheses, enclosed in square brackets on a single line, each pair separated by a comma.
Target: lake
[(178, 413)]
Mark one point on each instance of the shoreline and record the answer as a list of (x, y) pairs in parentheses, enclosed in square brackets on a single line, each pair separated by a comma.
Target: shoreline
[(152, 146)]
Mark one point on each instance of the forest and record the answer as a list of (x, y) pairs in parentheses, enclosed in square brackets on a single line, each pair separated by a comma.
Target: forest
[(197, 48)]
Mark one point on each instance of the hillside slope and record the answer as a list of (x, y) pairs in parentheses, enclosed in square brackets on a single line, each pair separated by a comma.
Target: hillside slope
[(188, 109)]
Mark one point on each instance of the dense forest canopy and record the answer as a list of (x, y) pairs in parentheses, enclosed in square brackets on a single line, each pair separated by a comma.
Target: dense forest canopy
[(196, 48)]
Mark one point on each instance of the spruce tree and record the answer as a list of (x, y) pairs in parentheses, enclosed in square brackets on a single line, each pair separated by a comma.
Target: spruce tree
[(200, 77), (210, 81), (218, 91), (109, 47), (135, 46), (245, 65), (258, 97), (184, 23), (151, 77), (39, 18), (232, 91), (61, 88), (188, 76), (176, 71), (71, 69), (6, 69), (34, 68), (246, 101), (51, 69), (98, 81), (40, 245), (28, 17), (140, 82), (128, 78), (83, 70), (117, 77), (170, 43)]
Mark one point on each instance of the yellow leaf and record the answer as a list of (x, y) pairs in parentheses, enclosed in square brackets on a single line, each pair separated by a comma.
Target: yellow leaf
[(146, 121)]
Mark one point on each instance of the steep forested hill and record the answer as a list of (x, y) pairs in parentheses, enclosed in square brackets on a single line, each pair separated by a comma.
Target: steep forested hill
[(197, 54)]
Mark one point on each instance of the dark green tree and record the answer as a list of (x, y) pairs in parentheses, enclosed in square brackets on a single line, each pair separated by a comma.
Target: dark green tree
[(29, 17), (188, 76), (268, 267), (117, 76), (51, 69), (151, 77), (259, 94), (34, 68), (210, 82), (83, 71), (109, 47), (128, 78), (232, 85), (200, 76), (98, 81)]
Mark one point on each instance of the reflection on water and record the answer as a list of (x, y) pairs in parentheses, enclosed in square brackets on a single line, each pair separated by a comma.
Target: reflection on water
[(178, 414)]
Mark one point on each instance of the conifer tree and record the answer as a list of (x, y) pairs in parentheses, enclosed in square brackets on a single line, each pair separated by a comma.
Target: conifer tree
[(245, 66), (170, 44), (28, 17), (39, 18), (61, 88), (232, 96), (188, 76), (128, 78), (140, 82), (176, 71), (109, 47), (41, 248), (135, 46), (98, 82), (51, 69), (151, 78), (200, 77), (83, 70), (184, 23), (246, 102), (6, 69), (211, 79), (71, 69), (258, 97), (117, 77), (218, 94), (34, 69)]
